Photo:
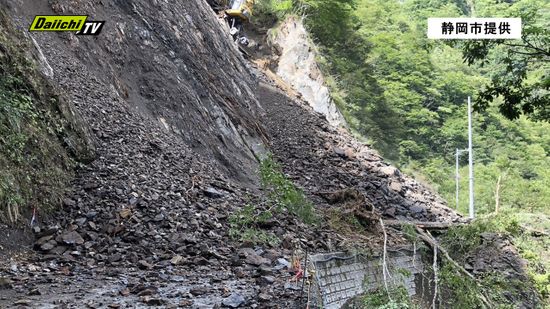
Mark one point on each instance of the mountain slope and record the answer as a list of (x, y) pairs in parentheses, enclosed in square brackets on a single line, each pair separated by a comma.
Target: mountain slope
[(172, 63), (177, 117)]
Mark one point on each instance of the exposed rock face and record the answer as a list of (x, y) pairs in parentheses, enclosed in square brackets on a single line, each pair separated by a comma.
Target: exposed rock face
[(167, 61), (298, 67)]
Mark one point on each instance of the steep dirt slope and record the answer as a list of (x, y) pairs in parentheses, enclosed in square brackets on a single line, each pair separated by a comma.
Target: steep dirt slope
[(169, 61), (174, 112), (325, 160), (170, 104)]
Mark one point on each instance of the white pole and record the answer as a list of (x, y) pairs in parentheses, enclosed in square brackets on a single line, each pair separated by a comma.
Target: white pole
[(471, 159), (456, 178)]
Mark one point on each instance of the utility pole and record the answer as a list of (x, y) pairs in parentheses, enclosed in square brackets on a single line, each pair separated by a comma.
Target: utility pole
[(457, 175), (471, 159)]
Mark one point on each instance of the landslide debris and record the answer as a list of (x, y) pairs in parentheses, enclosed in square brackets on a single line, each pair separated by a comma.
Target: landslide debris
[(171, 62), (177, 122), (325, 160), (146, 222)]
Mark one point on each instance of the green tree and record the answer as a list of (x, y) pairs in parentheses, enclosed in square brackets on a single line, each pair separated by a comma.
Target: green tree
[(519, 69)]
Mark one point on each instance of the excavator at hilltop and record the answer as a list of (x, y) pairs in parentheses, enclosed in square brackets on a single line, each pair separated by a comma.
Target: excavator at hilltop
[(237, 13)]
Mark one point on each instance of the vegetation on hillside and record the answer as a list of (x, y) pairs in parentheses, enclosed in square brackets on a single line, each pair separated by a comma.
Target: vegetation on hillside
[(35, 123), (502, 292), (407, 95), (282, 196), (519, 69)]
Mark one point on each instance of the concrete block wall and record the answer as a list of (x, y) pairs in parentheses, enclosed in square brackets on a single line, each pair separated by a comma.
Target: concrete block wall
[(340, 276)]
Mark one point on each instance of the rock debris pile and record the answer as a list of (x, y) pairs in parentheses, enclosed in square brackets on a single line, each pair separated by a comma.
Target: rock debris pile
[(323, 159), (177, 122)]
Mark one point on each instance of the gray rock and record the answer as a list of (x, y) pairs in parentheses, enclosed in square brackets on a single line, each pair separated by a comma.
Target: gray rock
[(389, 170), (5, 282), (176, 260), (396, 187), (339, 151), (199, 290), (48, 245), (265, 270), (142, 264), (91, 214), (115, 257), (292, 286), (282, 263), (415, 209), (152, 301), (266, 280), (69, 202), (256, 260), (72, 238), (80, 221), (50, 230), (58, 250), (23, 302), (264, 297), (213, 193), (234, 300), (390, 212), (43, 240)]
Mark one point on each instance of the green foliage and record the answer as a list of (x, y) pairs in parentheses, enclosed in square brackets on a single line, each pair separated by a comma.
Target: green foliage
[(459, 241), (461, 291), (462, 239), (542, 284), (398, 298), (343, 223), (34, 167), (244, 226), (498, 286), (519, 69), (283, 193), (536, 250), (267, 12), (407, 95), (409, 232)]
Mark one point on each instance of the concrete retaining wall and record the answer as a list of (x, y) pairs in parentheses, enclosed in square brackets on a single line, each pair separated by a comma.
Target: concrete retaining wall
[(340, 276)]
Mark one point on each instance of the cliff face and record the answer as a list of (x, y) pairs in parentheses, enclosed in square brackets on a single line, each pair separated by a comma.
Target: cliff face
[(297, 65), (168, 61)]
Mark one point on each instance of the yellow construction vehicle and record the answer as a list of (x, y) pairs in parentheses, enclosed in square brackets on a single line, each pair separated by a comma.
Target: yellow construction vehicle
[(237, 13), (241, 9)]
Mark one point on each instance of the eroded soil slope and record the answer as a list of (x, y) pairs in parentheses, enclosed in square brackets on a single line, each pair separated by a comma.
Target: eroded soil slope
[(325, 160), (177, 116), (168, 61)]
